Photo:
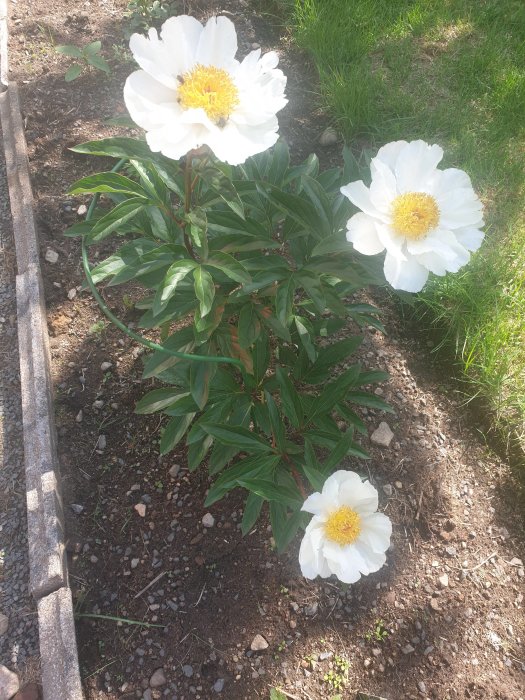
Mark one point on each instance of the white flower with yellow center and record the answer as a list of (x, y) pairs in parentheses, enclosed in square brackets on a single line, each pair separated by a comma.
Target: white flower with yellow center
[(192, 91), (428, 220), (346, 537)]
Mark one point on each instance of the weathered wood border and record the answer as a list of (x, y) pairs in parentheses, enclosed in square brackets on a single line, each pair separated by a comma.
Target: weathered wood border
[(4, 66), (46, 541)]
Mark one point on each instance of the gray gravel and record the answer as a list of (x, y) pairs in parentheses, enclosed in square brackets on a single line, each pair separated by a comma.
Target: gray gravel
[(19, 644)]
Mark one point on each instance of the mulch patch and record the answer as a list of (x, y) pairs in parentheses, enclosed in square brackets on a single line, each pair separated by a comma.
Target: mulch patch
[(408, 631)]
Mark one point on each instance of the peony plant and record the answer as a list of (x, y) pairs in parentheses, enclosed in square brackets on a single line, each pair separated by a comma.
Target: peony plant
[(250, 285)]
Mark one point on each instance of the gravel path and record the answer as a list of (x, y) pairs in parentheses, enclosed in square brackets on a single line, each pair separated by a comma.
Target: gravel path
[(19, 643)]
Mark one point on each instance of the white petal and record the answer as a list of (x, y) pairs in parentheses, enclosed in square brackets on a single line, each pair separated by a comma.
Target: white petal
[(376, 530), (311, 558), (416, 164), (317, 503), (383, 189), (359, 495), (175, 140), (346, 563), (181, 37), (153, 56), (359, 195), (393, 243), (407, 275), (362, 233), (452, 179), (150, 103), (235, 143), (433, 262), (261, 89), (460, 208), (388, 155), (470, 238), (217, 43), (374, 560)]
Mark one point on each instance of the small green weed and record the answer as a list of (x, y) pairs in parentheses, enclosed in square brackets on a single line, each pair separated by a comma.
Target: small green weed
[(379, 632), (97, 328), (337, 676), (88, 56), (142, 14)]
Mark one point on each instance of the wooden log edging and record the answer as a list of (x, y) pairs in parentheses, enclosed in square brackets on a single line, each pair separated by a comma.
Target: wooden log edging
[(4, 67), (46, 539)]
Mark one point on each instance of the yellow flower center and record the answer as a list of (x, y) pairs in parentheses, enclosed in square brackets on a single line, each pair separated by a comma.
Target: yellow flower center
[(414, 214), (343, 526), (210, 88)]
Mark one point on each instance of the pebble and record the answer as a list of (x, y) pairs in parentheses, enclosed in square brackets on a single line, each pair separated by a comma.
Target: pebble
[(4, 623), (9, 684), (388, 489), (422, 687), (218, 686), (101, 444), (141, 509), (135, 563), (382, 435), (51, 256), (187, 670), (76, 508), (443, 581), (72, 294), (434, 604), (157, 679), (208, 520), (328, 137), (105, 366), (174, 470), (82, 210), (79, 417), (259, 643), (408, 649), (451, 551)]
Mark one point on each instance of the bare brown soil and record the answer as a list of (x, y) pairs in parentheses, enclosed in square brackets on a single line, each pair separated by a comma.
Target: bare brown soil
[(405, 632)]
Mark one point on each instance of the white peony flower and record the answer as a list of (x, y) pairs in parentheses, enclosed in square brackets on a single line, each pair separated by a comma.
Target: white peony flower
[(192, 91), (346, 536), (427, 219)]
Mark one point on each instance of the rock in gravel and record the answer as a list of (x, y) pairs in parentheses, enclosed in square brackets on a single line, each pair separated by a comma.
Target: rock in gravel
[(218, 686), (31, 691), (51, 256), (174, 470), (9, 684), (4, 623), (76, 508), (157, 679), (135, 563), (443, 581), (102, 442), (82, 210), (382, 435), (208, 520), (72, 294), (105, 366), (259, 643), (187, 670), (141, 509), (328, 137), (79, 416), (408, 649)]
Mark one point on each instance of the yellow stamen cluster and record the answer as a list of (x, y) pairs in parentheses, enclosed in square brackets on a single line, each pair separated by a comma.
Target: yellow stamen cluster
[(414, 214), (210, 88), (343, 526)]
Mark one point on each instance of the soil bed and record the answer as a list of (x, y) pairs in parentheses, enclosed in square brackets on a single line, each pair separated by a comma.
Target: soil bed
[(443, 619)]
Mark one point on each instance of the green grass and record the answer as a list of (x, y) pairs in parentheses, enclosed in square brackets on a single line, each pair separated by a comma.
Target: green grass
[(451, 72)]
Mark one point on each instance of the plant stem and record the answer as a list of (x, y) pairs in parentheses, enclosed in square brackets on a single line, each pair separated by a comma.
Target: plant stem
[(188, 189)]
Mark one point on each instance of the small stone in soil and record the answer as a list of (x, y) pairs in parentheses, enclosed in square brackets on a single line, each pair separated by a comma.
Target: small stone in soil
[(157, 679), (82, 210), (9, 684), (141, 509), (407, 649), (328, 137), (4, 623), (135, 563), (187, 670), (174, 470), (208, 520), (72, 294), (76, 508), (218, 685), (101, 444), (382, 435), (105, 366), (443, 581), (434, 604), (79, 416), (51, 256), (259, 643)]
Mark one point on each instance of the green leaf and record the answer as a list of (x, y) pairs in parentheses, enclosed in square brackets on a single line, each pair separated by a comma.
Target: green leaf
[(317, 196), (117, 217), (252, 510), (197, 452), (276, 694), (107, 183), (176, 273), (174, 432), (290, 399), (99, 62), (284, 299), (330, 356), (298, 208), (336, 243), (239, 437), (69, 50), (201, 373), (116, 147), (157, 400), (249, 325), (333, 393), (73, 72), (261, 356), (276, 422), (305, 336), (247, 467), (285, 527), (230, 266), (92, 48), (270, 490), (346, 445), (362, 398), (204, 289), (313, 287)]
